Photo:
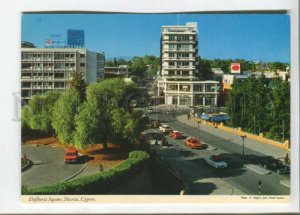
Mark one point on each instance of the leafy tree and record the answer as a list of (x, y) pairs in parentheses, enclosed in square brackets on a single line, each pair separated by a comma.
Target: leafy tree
[(259, 106), (89, 126), (277, 65), (64, 111), (77, 84), (138, 67), (205, 72), (38, 114), (111, 98)]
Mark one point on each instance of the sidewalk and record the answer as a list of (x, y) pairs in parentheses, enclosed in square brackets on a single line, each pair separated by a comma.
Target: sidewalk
[(251, 144)]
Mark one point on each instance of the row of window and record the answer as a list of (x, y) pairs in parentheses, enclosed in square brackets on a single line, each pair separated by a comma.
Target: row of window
[(49, 65), (187, 88), (55, 56), (172, 63), (181, 37)]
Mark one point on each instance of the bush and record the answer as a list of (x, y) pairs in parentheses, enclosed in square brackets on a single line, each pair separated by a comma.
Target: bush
[(99, 183)]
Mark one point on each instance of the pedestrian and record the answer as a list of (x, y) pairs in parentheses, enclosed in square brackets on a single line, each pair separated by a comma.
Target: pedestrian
[(188, 116), (287, 158), (156, 142)]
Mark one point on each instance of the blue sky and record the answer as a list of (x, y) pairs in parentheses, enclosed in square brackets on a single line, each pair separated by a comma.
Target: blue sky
[(264, 37)]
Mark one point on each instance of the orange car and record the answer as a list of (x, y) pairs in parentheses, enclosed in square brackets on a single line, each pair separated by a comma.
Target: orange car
[(194, 143), (71, 155), (175, 135)]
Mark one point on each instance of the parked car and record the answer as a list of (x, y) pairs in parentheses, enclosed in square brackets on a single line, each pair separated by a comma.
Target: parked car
[(71, 155), (215, 161), (164, 128), (194, 143), (149, 110), (175, 135), (275, 165)]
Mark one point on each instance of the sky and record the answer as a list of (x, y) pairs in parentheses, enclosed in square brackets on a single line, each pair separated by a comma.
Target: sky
[(253, 37)]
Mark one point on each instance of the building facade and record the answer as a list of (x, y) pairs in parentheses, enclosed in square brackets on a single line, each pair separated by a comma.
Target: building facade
[(44, 69), (179, 80), (121, 71)]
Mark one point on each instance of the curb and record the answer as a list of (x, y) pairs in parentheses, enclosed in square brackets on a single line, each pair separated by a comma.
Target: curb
[(258, 169), (27, 165), (69, 178)]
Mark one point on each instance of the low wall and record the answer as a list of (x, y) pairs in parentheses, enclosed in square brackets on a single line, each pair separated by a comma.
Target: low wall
[(238, 131)]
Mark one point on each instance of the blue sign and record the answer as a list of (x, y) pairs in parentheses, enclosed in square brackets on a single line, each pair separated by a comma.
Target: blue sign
[(75, 38)]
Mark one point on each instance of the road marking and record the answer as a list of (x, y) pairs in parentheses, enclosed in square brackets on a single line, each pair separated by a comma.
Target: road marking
[(257, 169), (286, 183)]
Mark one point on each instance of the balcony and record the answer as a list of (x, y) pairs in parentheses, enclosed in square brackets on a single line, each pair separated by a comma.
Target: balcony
[(179, 58), (178, 50), (178, 67)]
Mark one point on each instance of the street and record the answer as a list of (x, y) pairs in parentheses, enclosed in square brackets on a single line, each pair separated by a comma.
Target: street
[(238, 175), (48, 166)]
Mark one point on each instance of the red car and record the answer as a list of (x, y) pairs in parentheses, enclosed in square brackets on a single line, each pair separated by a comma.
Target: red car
[(175, 135), (194, 143), (71, 155)]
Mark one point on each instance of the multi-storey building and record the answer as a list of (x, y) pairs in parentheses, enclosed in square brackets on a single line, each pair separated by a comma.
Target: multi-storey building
[(44, 69), (179, 81), (121, 71)]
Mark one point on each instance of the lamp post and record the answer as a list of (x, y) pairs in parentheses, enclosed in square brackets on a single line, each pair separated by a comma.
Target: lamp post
[(243, 138), (198, 130)]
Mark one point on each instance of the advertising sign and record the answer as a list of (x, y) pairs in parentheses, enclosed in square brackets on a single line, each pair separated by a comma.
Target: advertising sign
[(235, 68), (75, 38)]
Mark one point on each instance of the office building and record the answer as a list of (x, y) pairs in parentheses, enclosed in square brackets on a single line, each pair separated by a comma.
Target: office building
[(179, 80), (44, 69)]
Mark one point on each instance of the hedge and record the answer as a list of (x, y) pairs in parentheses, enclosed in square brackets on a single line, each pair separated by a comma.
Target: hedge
[(99, 183)]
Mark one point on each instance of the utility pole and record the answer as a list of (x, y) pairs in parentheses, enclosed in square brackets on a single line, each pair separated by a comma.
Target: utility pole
[(243, 153), (198, 130)]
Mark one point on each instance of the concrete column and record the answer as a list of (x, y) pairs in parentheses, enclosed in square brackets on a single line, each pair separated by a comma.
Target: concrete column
[(192, 94)]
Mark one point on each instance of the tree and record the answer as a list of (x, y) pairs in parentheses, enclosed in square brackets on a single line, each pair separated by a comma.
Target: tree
[(114, 120), (138, 67), (38, 114), (78, 84), (64, 111), (205, 69), (274, 66), (261, 107), (89, 126)]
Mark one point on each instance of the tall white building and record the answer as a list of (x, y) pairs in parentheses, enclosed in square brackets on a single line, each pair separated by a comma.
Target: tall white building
[(44, 69), (178, 79)]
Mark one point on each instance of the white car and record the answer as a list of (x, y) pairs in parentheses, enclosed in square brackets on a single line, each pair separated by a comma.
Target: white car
[(215, 161), (164, 128), (150, 110)]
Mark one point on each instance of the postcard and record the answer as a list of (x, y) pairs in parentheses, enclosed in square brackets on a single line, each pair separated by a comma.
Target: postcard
[(173, 108)]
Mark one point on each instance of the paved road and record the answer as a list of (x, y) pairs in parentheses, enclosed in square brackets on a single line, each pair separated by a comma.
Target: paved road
[(48, 166), (237, 175)]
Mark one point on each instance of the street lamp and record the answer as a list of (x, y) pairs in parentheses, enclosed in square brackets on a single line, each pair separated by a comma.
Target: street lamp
[(243, 138), (198, 130)]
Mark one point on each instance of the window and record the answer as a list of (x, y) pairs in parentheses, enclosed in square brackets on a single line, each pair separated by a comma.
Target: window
[(171, 55), (172, 63), (185, 73), (82, 55), (82, 64), (172, 37), (171, 46)]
